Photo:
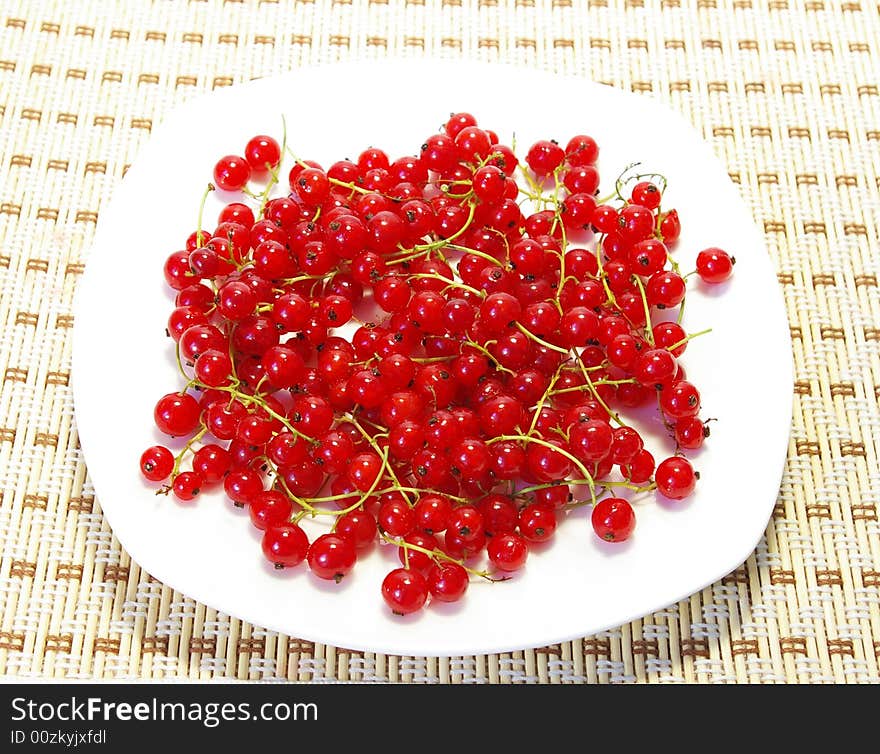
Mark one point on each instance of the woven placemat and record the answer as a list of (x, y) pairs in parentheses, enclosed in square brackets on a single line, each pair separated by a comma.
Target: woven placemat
[(786, 92)]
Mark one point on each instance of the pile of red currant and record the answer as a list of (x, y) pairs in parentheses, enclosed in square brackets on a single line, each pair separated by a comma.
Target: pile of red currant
[(434, 351)]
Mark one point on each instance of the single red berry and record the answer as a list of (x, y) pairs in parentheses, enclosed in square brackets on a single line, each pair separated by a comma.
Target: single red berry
[(680, 399), (544, 156), (364, 470), (507, 552), (177, 414), (665, 289), (359, 526), (605, 218), (263, 153), (647, 194), (412, 553), (466, 522), (670, 335), (690, 432), (613, 519), (242, 486), (432, 513), (537, 523), (212, 462), (270, 508), (404, 591), (447, 581), (669, 227), (640, 467), (714, 265), (187, 485), (332, 557), (675, 477), (157, 462), (581, 150), (395, 516), (231, 173), (285, 546)]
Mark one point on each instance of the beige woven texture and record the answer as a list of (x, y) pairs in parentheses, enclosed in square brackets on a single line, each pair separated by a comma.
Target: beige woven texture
[(785, 91)]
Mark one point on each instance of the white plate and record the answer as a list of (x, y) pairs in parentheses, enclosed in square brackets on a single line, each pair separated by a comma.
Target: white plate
[(580, 585)]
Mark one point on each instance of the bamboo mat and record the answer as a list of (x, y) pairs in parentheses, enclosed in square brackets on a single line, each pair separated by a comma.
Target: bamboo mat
[(788, 94)]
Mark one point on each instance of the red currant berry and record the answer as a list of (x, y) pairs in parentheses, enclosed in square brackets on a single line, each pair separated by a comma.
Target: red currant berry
[(670, 227), (640, 467), (263, 153), (177, 414), (507, 552), (359, 526), (231, 173), (675, 477), (404, 591), (157, 463), (543, 157), (396, 518), (647, 194), (680, 399), (447, 581), (212, 462), (270, 508), (537, 523), (690, 432), (714, 265), (285, 546), (581, 150), (187, 486), (332, 557), (613, 519), (242, 486)]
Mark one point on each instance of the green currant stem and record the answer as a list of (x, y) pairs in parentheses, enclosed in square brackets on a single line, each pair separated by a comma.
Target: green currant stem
[(483, 349), (445, 241), (689, 338), (602, 276), (382, 452), (418, 490), (348, 185), (536, 194), (428, 359), (548, 485), (579, 388), (437, 555), (199, 231), (525, 331), (476, 252), (680, 316), (540, 403), (178, 459), (557, 217), (528, 438), (300, 279), (408, 256), (351, 417), (649, 333), (596, 395), (264, 194), (180, 362), (449, 283), (630, 485), (262, 404)]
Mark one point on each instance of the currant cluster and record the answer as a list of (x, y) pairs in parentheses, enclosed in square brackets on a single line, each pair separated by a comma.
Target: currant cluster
[(432, 351)]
